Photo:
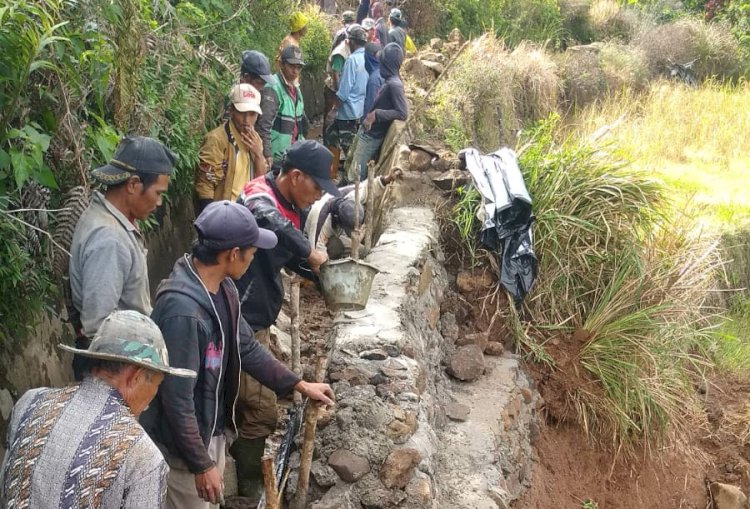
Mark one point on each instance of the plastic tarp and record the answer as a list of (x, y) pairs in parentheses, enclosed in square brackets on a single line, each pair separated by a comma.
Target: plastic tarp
[(507, 216)]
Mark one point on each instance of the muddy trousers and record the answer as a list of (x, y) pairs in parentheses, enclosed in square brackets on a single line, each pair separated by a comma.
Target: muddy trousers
[(256, 419)]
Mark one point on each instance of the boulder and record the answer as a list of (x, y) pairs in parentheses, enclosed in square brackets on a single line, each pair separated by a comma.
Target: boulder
[(416, 71), (398, 467), (457, 411), (436, 44), (479, 338), (419, 160), (451, 179), (467, 363), (348, 465), (324, 475), (469, 282), (377, 354), (726, 496), (494, 349), (433, 56), (448, 326)]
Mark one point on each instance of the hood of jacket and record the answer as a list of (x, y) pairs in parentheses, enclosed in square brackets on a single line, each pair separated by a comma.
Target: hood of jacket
[(184, 280), (391, 59)]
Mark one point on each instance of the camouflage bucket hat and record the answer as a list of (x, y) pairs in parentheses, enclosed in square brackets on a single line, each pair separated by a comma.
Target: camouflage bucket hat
[(133, 338)]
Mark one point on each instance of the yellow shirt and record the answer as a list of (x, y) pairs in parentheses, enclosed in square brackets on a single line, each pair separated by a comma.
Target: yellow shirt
[(242, 171)]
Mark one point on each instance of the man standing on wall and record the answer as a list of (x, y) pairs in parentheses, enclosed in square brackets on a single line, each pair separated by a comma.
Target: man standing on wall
[(350, 99), (231, 154), (107, 267), (298, 29), (276, 203), (198, 310)]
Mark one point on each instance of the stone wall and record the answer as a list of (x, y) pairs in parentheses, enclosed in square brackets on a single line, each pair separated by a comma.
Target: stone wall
[(388, 441)]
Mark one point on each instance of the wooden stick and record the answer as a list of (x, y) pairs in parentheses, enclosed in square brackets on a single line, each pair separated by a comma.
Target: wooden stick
[(308, 443), (370, 209), (355, 232), (269, 483), (294, 316)]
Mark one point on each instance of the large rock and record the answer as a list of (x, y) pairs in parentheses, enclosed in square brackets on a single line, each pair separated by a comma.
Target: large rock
[(449, 327), (495, 349), (478, 338), (726, 496), (348, 465), (467, 363), (457, 411), (398, 467), (324, 475), (469, 282), (415, 70), (419, 160)]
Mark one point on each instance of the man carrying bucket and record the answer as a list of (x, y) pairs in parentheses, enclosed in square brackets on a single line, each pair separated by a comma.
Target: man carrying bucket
[(277, 204)]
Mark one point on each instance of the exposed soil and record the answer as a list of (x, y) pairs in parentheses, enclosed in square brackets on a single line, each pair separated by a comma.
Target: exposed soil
[(569, 470)]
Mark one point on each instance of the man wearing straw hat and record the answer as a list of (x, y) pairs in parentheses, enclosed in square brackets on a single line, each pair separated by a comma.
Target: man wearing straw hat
[(82, 444)]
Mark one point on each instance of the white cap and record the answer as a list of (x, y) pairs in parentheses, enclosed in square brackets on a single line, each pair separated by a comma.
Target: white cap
[(245, 97)]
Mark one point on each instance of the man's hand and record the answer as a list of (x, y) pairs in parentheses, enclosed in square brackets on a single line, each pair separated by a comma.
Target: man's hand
[(316, 259), (316, 392), (251, 140), (209, 485), (394, 174), (369, 120)]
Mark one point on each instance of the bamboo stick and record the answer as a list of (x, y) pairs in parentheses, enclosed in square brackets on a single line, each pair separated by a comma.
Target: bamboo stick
[(370, 207), (308, 443), (295, 319), (356, 231), (269, 483)]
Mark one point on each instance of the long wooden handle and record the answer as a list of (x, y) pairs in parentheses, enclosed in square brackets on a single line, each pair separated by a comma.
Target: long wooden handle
[(269, 483), (308, 443)]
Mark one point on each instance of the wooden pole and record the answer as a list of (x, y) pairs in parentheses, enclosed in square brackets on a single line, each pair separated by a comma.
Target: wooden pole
[(308, 443), (370, 209), (294, 316), (269, 483), (355, 233)]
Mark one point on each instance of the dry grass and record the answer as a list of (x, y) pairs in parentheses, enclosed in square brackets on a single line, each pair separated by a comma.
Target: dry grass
[(711, 45), (609, 20), (515, 88)]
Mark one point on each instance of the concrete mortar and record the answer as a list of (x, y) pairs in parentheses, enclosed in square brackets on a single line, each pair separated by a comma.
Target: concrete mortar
[(398, 402)]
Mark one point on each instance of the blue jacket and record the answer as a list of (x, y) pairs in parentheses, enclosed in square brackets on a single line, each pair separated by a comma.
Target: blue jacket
[(352, 87)]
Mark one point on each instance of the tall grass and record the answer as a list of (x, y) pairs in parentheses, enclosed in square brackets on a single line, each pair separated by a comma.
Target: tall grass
[(694, 140)]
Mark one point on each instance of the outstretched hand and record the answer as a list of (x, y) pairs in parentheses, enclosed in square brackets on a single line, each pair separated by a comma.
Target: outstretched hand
[(317, 392)]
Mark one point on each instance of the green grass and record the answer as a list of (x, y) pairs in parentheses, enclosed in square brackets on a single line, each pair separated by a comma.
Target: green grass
[(693, 140), (732, 340)]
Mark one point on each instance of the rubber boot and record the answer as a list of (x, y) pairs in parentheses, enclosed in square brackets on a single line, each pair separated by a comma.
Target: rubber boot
[(247, 454)]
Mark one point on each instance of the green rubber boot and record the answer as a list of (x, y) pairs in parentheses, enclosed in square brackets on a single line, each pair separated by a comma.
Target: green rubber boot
[(247, 455)]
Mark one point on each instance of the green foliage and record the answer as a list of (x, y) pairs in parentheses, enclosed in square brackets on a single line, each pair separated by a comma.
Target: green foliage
[(24, 286), (76, 76), (514, 20), (464, 218)]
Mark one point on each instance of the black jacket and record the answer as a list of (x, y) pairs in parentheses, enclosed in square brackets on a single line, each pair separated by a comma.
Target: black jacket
[(260, 288), (182, 417), (390, 103)]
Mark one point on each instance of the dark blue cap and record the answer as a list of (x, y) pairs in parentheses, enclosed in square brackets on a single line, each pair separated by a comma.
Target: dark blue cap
[(136, 154), (313, 159), (226, 225), (255, 62)]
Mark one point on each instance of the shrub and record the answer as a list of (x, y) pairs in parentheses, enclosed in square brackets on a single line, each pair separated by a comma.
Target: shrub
[(609, 20), (516, 88), (711, 46), (582, 76), (576, 23), (624, 67)]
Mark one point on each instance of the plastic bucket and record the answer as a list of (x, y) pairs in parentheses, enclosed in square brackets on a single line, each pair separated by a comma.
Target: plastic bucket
[(346, 284)]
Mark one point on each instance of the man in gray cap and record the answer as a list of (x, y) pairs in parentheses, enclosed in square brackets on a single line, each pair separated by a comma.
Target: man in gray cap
[(82, 444), (107, 267), (198, 310)]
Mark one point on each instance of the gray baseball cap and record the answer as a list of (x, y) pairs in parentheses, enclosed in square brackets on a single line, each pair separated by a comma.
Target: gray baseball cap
[(136, 154), (133, 338), (226, 225)]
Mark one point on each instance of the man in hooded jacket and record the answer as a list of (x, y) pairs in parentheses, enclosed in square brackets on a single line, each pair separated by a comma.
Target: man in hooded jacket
[(389, 105)]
